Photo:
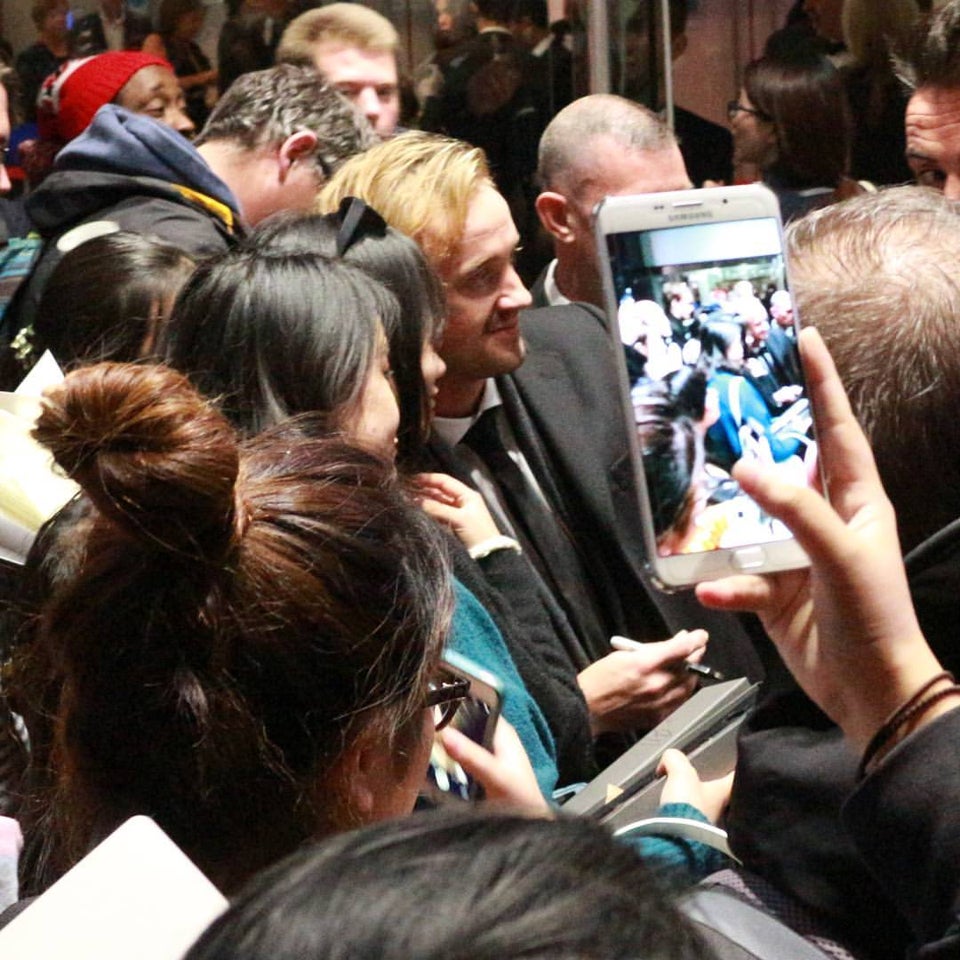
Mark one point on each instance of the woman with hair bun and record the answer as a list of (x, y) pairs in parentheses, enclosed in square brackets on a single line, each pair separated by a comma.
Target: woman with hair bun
[(245, 650)]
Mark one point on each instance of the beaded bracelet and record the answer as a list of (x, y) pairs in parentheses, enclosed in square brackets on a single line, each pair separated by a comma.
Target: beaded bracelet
[(916, 706)]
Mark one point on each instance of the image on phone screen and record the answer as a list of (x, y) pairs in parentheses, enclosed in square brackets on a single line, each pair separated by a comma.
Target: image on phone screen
[(444, 773), (476, 717), (705, 318)]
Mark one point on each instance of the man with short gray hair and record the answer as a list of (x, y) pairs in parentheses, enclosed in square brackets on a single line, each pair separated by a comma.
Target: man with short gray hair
[(597, 146), (876, 275), (273, 138)]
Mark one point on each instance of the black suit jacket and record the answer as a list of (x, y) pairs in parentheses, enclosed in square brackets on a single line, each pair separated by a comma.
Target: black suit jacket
[(563, 402), (707, 148), (784, 352), (87, 36), (245, 44), (554, 74), (537, 291)]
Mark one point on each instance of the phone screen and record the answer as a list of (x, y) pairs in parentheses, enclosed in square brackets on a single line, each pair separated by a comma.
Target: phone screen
[(705, 318), (445, 774), (476, 717)]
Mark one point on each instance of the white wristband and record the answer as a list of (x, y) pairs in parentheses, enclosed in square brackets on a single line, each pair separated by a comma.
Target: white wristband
[(483, 549)]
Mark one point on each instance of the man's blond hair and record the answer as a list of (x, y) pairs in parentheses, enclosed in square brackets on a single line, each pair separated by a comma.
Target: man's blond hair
[(420, 183), (349, 24)]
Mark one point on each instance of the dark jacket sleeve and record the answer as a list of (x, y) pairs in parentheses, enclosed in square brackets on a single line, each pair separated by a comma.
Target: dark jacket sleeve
[(905, 821), (178, 224), (504, 584)]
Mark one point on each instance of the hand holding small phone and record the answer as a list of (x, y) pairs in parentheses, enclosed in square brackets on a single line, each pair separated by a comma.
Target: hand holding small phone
[(476, 719), (504, 771)]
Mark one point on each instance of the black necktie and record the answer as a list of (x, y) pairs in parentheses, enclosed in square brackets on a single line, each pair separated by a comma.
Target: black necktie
[(544, 539)]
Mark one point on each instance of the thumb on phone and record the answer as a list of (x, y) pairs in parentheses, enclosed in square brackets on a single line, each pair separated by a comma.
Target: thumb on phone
[(504, 773)]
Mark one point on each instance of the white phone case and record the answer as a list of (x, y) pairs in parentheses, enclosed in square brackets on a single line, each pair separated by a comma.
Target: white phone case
[(664, 255)]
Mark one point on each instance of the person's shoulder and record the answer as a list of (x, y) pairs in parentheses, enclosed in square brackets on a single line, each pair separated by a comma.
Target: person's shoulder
[(30, 55), (136, 29), (569, 318), (694, 124), (575, 332), (538, 289)]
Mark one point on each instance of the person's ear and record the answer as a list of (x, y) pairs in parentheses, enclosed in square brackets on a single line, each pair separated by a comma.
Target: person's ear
[(554, 213), (367, 768), (357, 766), (299, 147)]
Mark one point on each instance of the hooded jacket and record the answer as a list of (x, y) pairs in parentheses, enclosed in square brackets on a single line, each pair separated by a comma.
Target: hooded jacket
[(136, 173)]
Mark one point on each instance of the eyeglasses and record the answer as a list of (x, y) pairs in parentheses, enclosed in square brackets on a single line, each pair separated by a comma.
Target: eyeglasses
[(734, 107), (357, 220), (444, 698)]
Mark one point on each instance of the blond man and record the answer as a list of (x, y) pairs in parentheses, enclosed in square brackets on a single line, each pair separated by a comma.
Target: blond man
[(439, 192), (355, 49)]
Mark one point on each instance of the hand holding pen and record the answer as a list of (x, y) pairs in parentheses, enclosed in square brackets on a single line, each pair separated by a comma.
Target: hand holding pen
[(703, 673), (636, 688)]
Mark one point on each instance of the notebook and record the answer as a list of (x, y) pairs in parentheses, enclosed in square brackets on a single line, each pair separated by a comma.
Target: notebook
[(136, 895)]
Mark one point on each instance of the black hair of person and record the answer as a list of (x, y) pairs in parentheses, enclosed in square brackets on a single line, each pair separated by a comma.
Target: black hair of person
[(360, 235), (452, 886), (273, 333), (106, 298)]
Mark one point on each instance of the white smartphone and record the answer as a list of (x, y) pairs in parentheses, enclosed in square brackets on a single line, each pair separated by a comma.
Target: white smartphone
[(700, 311), (476, 716)]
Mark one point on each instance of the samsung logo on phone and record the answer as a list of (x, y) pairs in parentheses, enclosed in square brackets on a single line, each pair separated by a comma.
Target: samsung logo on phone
[(702, 215)]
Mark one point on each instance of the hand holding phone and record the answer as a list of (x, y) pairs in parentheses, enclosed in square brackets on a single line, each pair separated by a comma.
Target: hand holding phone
[(476, 720), (846, 628), (504, 770)]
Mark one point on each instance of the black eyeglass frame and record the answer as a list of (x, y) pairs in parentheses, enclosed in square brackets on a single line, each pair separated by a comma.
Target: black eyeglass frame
[(735, 106), (448, 694)]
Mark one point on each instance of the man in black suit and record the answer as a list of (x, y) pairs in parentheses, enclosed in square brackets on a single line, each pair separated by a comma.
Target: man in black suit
[(598, 146), (111, 27), (249, 39), (530, 25), (772, 361), (493, 97), (707, 147), (554, 416)]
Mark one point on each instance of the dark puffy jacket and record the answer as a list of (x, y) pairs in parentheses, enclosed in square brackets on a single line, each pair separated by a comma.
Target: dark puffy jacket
[(137, 173)]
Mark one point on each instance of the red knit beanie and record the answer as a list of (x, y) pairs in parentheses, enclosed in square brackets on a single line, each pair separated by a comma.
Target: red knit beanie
[(72, 95)]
